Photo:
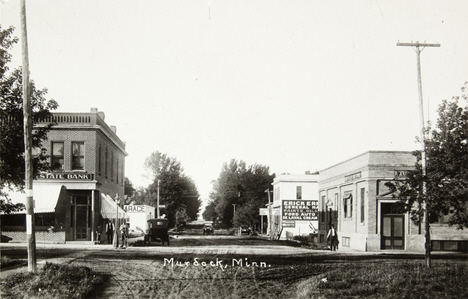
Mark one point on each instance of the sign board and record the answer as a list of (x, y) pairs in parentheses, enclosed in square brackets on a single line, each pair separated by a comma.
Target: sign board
[(75, 176), (135, 208), (300, 210), (353, 177), (289, 223)]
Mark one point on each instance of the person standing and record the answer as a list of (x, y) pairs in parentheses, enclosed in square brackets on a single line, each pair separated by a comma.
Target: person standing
[(124, 231), (110, 232), (333, 238)]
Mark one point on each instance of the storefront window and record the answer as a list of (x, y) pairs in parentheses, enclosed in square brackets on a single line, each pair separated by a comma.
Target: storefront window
[(348, 205)]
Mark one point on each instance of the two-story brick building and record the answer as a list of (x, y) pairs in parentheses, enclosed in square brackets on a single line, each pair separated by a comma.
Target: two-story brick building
[(77, 197)]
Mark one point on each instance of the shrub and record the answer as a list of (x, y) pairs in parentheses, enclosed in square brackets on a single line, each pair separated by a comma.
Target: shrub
[(53, 281)]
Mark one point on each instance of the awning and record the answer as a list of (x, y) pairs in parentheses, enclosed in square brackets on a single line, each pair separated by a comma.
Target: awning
[(108, 208), (45, 198)]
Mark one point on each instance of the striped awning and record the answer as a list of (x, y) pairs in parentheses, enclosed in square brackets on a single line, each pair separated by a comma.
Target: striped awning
[(109, 208)]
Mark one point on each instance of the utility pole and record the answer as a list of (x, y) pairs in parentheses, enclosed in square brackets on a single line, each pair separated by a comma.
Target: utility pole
[(27, 125), (269, 215), (157, 201), (418, 47)]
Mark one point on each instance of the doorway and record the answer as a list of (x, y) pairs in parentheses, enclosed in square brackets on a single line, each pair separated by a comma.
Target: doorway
[(81, 216), (392, 227)]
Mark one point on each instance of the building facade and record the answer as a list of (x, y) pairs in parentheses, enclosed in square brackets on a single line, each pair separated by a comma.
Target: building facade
[(78, 195), (294, 206), (353, 196)]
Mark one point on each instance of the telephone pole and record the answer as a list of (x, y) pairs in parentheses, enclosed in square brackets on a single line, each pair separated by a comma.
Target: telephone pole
[(418, 47), (27, 125)]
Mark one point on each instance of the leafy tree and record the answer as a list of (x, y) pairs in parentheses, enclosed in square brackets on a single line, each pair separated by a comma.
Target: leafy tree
[(12, 169), (129, 190), (209, 213), (444, 188), (243, 186), (176, 190)]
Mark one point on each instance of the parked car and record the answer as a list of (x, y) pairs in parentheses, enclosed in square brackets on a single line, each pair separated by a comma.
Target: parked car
[(208, 229), (246, 231), (158, 230)]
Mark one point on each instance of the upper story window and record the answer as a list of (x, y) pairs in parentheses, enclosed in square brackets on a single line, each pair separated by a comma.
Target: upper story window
[(117, 168), (105, 162), (298, 192), (57, 156), (112, 167), (99, 159), (78, 158), (348, 205)]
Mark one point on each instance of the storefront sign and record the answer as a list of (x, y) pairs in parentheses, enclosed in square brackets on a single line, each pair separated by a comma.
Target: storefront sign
[(77, 176), (289, 223), (135, 209), (300, 210), (353, 177)]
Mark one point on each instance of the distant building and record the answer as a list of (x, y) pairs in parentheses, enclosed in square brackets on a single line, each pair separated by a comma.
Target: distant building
[(353, 197), (294, 206), (138, 215), (75, 200)]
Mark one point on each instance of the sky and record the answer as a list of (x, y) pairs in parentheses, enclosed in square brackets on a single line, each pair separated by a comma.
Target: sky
[(294, 85)]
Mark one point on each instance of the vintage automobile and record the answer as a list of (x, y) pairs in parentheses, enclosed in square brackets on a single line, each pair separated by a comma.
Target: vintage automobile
[(157, 231), (208, 229), (246, 231)]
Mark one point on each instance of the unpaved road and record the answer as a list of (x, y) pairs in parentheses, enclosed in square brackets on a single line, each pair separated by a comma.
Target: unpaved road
[(205, 267)]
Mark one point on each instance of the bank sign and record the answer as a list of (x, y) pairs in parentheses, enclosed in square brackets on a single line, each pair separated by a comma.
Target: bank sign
[(134, 209), (75, 176), (300, 210)]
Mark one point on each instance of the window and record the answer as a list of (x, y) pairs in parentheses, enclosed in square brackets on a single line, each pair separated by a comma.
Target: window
[(323, 208), (348, 205), (299, 192), (112, 167), (363, 205), (78, 151), (99, 159), (117, 175), (57, 156), (105, 162)]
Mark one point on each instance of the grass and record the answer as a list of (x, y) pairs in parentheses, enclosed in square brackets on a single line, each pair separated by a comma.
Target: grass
[(389, 280), (9, 262), (53, 281)]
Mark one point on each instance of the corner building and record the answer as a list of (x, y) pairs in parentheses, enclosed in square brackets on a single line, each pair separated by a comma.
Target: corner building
[(75, 200), (353, 197)]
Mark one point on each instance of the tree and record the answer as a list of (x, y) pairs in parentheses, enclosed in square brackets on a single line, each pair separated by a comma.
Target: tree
[(444, 188), (243, 186), (11, 115), (176, 190), (12, 170), (129, 190)]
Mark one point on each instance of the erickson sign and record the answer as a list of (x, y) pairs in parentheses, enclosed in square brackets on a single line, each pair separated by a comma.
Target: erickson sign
[(300, 210)]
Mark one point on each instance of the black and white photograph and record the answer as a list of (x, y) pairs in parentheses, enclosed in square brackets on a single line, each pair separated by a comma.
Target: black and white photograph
[(233, 149)]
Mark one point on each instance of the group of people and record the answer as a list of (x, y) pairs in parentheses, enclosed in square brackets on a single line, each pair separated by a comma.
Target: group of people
[(123, 232)]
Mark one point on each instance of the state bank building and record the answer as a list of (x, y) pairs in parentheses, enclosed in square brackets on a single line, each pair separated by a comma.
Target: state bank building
[(75, 200)]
